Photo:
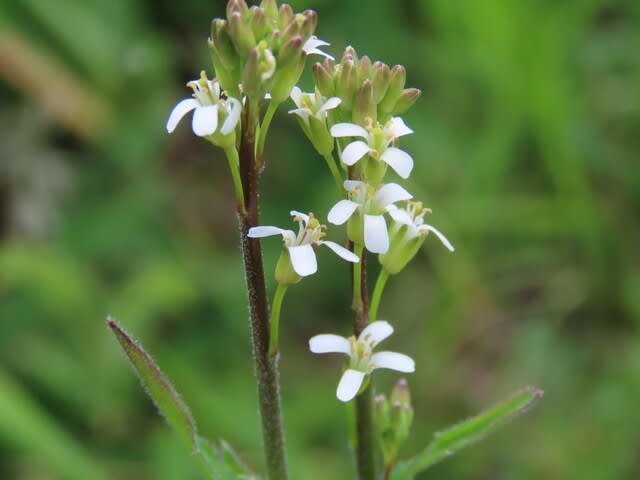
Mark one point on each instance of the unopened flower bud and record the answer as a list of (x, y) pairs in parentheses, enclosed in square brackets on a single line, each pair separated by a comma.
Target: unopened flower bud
[(241, 34), (258, 22), (229, 77), (396, 85), (380, 80), (223, 43), (364, 69), (364, 106), (286, 77), (346, 84), (237, 6), (323, 80), (270, 8), (285, 15), (289, 51), (407, 98), (320, 136), (251, 80), (309, 24), (401, 412), (350, 54)]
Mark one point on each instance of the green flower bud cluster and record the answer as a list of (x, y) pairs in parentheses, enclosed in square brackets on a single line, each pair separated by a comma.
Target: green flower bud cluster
[(260, 48), (368, 90), (393, 420)]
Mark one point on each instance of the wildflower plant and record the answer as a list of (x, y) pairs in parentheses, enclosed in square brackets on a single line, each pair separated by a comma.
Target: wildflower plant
[(352, 119)]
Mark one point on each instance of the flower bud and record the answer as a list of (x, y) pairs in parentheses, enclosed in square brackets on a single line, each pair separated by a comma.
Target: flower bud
[(403, 246), (237, 6), (364, 69), (320, 136), (396, 84), (380, 80), (223, 43), (251, 80), (309, 24), (241, 34), (401, 412), (285, 275), (364, 106), (270, 8), (285, 15), (346, 84), (350, 54), (258, 22), (289, 51), (286, 77), (407, 98), (228, 77), (323, 80)]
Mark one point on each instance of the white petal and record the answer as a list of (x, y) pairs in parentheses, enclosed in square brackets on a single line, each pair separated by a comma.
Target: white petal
[(391, 193), (180, 110), (303, 259), (394, 361), (354, 152), (376, 238), (304, 216), (353, 186), (399, 160), (317, 51), (296, 96), (234, 116), (348, 130), (330, 104), (329, 343), (342, 211), (349, 384), (399, 215), (399, 128), (303, 113), (439, 234), (205, 120), (314, 42), (259, 232), (375, 332), (339, 250)]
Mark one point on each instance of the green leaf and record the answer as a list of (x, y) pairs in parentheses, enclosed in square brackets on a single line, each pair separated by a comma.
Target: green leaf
[(211, 460), (449, 441)]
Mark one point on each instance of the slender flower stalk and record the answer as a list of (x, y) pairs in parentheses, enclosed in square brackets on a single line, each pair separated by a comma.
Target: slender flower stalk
[(275, 318), (383, 276)]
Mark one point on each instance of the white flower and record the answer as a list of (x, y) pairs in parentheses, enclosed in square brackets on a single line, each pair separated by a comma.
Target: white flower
[(310, 47), (372, 205), (300, 246), (378, 140), (362, 362), (413, 217), (309, 104), (210, 105)]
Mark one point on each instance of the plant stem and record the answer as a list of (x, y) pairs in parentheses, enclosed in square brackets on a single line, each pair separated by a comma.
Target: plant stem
[(275, 318), (264, 127), (383, 276), (266, 366), (335, 172), (365, 433), (234, 166)]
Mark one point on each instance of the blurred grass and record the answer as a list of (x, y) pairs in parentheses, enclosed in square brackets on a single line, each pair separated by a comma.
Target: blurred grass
[(527, 149)]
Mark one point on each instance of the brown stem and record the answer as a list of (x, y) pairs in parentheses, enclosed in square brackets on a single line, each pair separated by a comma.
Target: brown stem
[(266, 366)]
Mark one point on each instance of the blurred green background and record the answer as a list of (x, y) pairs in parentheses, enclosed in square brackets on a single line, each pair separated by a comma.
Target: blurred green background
[(526, 147)]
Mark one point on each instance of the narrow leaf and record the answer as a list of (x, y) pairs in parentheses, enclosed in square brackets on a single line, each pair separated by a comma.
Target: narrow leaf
[(449, 441)]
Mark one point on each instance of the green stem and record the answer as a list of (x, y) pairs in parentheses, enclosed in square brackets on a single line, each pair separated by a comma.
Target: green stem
[(264, 127), (365, 432), (234, 166), (275, 318), (335, 172), (383, 276)]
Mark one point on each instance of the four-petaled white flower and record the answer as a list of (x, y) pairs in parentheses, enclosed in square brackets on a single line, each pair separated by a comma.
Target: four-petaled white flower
[(362, 361), (310, 47), (413, 217), (209, 104), (378, 144), (372, 205), (301, 246), (309, 104)]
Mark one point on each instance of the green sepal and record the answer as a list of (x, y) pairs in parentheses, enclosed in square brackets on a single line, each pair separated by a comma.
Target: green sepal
[(449, 441), (355, 228), (396, 85), (406, 100), (285, 274), (320, 136), (286, 77), (402, 248), (364, 105), (323, 79)]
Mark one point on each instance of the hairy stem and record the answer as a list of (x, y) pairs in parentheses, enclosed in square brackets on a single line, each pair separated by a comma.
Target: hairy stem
[(365, 431), (266, 366), (275, 318)]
